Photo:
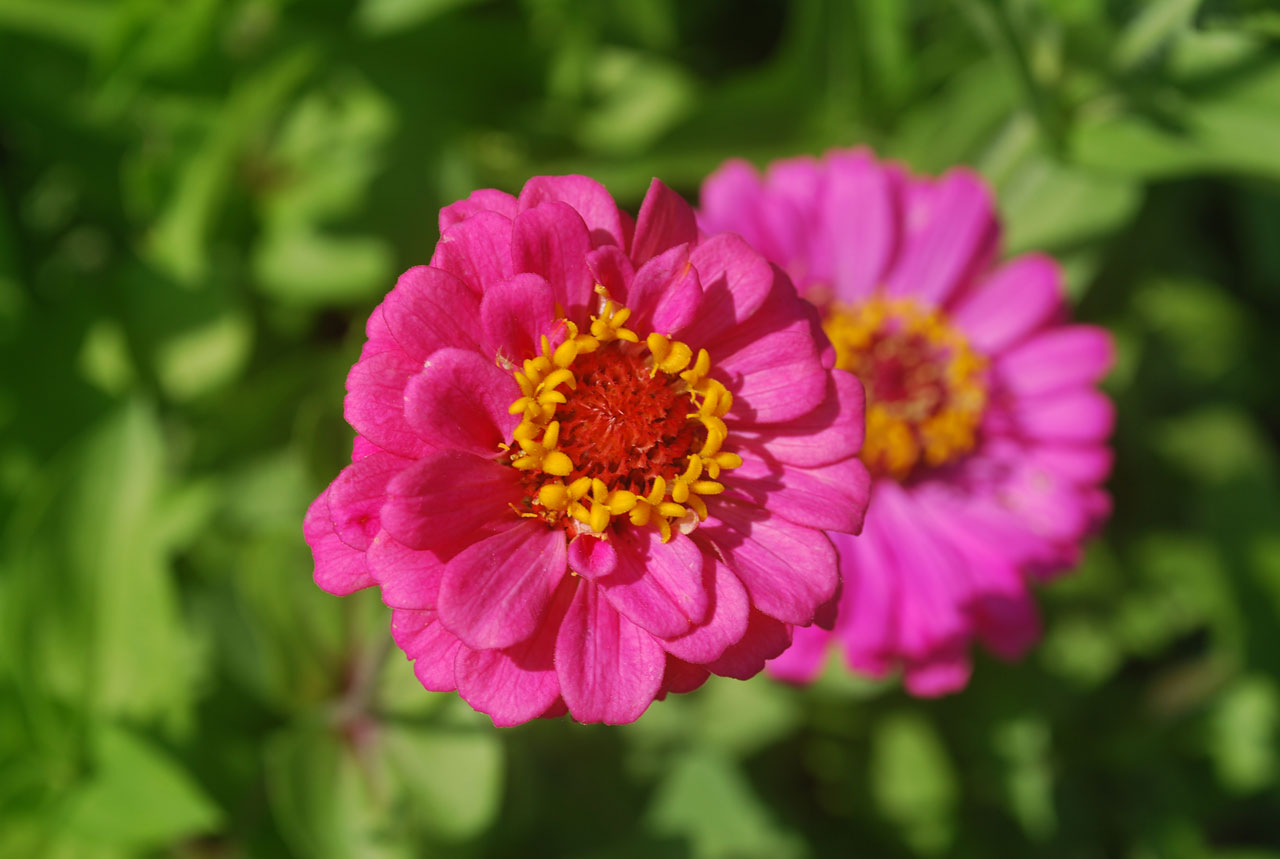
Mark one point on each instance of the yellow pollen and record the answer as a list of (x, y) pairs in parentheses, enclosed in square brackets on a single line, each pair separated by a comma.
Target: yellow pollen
[(926, 388)]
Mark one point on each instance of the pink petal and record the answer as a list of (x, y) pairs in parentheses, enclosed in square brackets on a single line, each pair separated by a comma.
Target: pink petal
[(830, 432), (939, 673), (432, 648), (484, 200), (339, 569), (592, 557), (1072, 416), (1064, 357), (735, 283), (830, 497), (609, 668), (460, 401), (1018, 298), (1080, 464), (934, 581), (665, 293), (441, 501), (357, 496), (551, 240), (362, 447), (771, 363), (519, 683), (374, 405), (409, 578), (657, 586), (794, 187), (802, 661), (726, 621), (477, 251), (587, 196), (860, 216), (732, 200), (1001, 606), (764, 639), (788, 570), (514, 314), (495, 591), (680, 677), (867, 624), (958, 237), (610, 267), (665, 220), (430, 309)]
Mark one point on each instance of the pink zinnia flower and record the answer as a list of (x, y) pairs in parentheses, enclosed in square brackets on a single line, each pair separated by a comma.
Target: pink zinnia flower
[(595, 457), (986, 436)]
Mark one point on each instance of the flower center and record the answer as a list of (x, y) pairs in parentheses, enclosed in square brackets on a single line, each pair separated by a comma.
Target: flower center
[(926, 389), (613, 427)]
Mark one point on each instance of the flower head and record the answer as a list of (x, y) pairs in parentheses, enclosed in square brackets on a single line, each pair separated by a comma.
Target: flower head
[(595, 458), (986, 436)]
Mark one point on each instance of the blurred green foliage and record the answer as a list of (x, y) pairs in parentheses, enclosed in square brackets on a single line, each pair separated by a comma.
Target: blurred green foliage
[(200, 200)]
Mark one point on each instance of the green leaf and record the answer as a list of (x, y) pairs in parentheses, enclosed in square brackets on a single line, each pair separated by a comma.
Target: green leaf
[(384, 17), (1245, 733), (453, 779), (913, 781), (706, 800), (1152, 29), (138, 797)]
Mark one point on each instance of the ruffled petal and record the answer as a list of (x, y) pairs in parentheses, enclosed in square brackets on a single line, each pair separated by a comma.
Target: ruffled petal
[(735, 283), (374, 404), (477, 251), (940, 673), (764, 639), (357, 495), (430, 309), (726, 621), (431, 648), (495, 592), (460, 401), (788, 570), (519, 683), (657, 586), (830, 497), (828, 433), (956, 241), (1018, 298), (443, 500), (665, 292), (587, 196), (514, 314), (771, 363), (665, 220), (409, 578), (609, 668), (484, 200), (552, 241), (611, 268), (339, 569)]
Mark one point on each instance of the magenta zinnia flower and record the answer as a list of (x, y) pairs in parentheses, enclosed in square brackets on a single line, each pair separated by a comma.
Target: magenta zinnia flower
[(986, 437), (595, 458)]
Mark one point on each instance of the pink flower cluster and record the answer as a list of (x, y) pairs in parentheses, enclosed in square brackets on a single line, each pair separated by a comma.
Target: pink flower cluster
[(595, 458), (598, 459)]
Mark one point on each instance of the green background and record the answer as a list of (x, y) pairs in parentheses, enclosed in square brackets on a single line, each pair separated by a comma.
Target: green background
[(200, 202)]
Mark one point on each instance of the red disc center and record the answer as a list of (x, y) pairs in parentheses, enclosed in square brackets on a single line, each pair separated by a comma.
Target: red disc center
[(623, 425)]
